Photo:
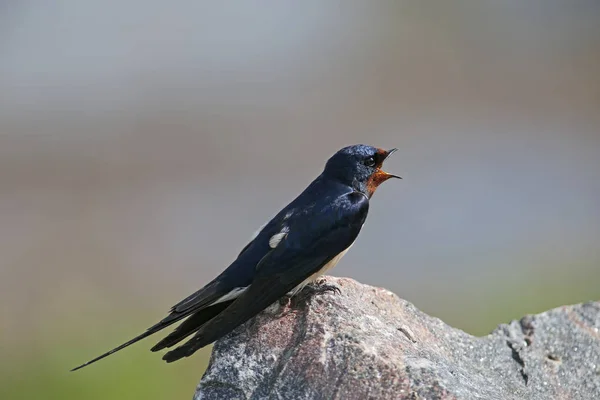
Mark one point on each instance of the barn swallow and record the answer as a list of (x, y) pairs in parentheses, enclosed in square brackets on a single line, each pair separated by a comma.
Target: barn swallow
[(303, 241)]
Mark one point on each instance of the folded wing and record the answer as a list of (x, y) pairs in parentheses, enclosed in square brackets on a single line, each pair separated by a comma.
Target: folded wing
[(307, 247)]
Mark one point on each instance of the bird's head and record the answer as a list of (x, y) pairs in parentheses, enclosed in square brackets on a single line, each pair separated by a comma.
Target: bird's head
[(359, 166)]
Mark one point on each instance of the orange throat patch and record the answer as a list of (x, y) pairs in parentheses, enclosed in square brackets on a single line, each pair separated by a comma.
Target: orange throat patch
[(376, 179)]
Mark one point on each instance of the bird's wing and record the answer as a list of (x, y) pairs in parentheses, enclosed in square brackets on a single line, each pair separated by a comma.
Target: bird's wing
[(225, 286), (206, 302), (191, 325), (206, 296), (305, 250)]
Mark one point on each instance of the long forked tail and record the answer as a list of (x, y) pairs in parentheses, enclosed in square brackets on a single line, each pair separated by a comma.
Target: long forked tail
[(189, 326), (196, 305), (171, 319)]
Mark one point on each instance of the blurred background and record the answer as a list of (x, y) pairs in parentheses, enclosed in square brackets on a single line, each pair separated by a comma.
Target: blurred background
[(142, 142)]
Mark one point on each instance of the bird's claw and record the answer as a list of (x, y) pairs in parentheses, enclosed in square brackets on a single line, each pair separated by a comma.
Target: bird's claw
[(331, 288), (321, 288), (315, 288)]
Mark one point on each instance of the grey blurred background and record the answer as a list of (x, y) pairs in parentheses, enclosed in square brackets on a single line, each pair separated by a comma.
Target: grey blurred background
[(142, 142)]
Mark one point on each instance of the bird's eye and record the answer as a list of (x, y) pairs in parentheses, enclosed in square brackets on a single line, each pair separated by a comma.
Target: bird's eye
[(370, 162)]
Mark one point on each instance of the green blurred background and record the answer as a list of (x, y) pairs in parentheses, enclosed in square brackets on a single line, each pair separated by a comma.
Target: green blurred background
[(142, 142)]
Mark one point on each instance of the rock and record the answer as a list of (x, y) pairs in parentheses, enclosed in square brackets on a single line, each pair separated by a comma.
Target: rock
[(366, 343)]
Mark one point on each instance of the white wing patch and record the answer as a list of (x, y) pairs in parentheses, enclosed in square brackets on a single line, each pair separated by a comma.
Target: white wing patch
[(278, 237), (230, 296), (273, 239)]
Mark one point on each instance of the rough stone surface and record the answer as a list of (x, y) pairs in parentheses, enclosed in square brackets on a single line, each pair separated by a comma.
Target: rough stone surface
[(366, 343)]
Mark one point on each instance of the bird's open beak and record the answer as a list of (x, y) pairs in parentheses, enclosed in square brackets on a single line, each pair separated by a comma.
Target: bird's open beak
[(386, 156)]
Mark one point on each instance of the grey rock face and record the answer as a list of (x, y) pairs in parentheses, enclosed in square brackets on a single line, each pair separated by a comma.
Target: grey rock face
[(366, 343)]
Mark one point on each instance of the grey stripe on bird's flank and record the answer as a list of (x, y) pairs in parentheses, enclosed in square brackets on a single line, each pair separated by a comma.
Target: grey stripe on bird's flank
[(234, 294)]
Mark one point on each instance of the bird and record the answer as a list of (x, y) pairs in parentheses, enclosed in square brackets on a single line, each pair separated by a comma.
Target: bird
[(300, 243)]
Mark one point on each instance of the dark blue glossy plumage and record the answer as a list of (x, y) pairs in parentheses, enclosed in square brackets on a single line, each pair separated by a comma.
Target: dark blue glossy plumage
[(322, 222), (318, 211)]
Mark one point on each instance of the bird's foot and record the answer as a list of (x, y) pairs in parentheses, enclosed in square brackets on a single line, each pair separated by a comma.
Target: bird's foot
[(320, 287), (312, 289)]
